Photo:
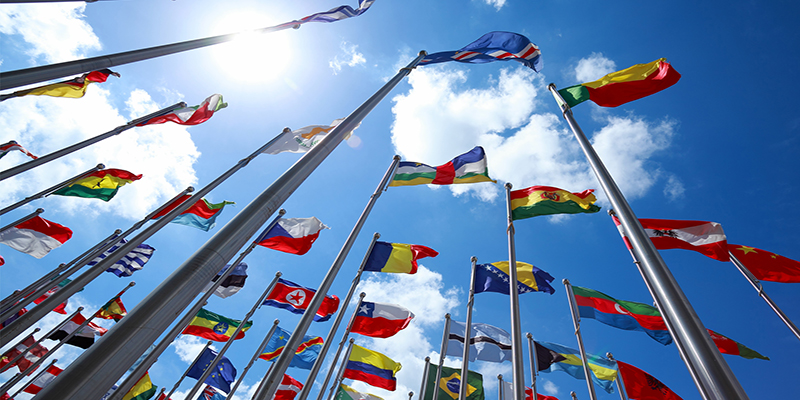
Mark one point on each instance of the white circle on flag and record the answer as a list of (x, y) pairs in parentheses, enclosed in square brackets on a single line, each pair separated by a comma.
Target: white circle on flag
[(296, 298)]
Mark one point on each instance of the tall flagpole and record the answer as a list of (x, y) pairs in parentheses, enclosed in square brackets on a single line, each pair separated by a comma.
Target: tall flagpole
[(49, 190), (714, 378), (312, 375), (340, 374), (500, 391), (21, 220), (180, 380), (462, 392), (534, 363), (252, 359), (424, 384), (310, 382), (88, 142), (513, 289), (620, 382), (576, 322), (760, 289), (442, 351)]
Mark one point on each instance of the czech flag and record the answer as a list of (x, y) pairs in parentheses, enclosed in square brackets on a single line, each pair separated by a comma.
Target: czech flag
[(292, 235)]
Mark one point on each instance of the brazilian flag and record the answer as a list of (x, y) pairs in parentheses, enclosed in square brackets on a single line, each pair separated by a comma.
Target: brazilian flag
[(448, 386)]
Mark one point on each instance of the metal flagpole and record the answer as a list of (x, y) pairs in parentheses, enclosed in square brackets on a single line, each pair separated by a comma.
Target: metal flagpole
[(42, 372), (714, 378), (213, 365), (442, 351), (462, 392), (424, 384), (93, 373), (534, 363), (312, 375), (573, 395), (341, 343), (576, 322), (47, 335), (180, 380), (757, 286), (516, 327), (339, 375), (49, 190), (500, 390), (620, 383), (23, 219), (252, 359), (88, 142), (260, 387), (410, 395), (12, 362), (36, 313)]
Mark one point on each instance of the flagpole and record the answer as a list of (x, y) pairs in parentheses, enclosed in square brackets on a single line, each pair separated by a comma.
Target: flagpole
[(11, 363), (312, 375), (442, 351), (230, 340), (47, 335), (339, 375), (500, 387), (42, 372), (410, 395), (534, 363), (573, 395), (260, 387), (88, 142), (620, 383), (462, 392), (49, 190), (516, 328), (21, 220), (252, 359), (576, 322), (761, 293), (341, 345), (424, 384), (180, 380), (714, 378)]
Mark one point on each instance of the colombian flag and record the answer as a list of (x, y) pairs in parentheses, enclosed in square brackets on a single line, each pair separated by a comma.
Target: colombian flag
[(103, 184), (397, 257), (211, 326), (371, 367)]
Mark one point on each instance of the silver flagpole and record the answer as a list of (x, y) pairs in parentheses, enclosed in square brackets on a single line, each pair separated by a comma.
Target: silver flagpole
[(424, 384), (500, 393), (442, 351), (534, 364), (11, 363), (45, 336), (49, 190), (178, 383), (620, 382), (312, 375), (516, 327), (462, 392), (252, 359), (757, 286), (23, 219), (410, 395), (576, 322), (714, 378), (260, 387), (339, 375), (42, 372), (573, 395), (341, 345), (88, 142), (221, 353)]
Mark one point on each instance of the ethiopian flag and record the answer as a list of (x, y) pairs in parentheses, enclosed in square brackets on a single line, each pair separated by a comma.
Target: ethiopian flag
[(620, 87), (102, 184), (211, 326), (546, 200)]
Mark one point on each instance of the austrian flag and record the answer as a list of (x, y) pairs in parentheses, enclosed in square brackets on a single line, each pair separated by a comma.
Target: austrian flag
[(36, 236), (701, 236)]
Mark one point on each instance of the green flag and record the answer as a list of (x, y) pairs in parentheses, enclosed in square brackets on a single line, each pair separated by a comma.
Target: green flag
[(450, 383)]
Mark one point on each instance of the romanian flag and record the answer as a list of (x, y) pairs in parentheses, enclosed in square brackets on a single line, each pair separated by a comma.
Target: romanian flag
[(397, 257), (191, 115), (624, 86), (604, 371), (142, 390), (73, 88), (202, 215), (469, 167), (211, 326), (102, 184), (494, 277), (765, 265), (11, 146), (371, 367), (547, 200)]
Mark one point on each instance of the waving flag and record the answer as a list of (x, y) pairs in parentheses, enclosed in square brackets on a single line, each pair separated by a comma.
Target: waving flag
[(547, 200), (450, 384), (232, 284), (103, 184), (191, 115), (372, 368), (209, 393), (224, 372), (39, 383), (11, 146), (732, 347), (212, 326), (142, 390), (113, 309), (493, 46), (334, 14), (305, 355), (767, 266), (604, 371), (701, 236), (494, 277), (486, 342), (73, 88), (640, 385), (61, 308), (84, 338), (397, 257), (201, 215), (128, 264), (380, 320), (36, 236), (347, 393), (303, 139), (469, 167), (288, 388), (28, 359), (546, 357), (292, 235), (295, 298)]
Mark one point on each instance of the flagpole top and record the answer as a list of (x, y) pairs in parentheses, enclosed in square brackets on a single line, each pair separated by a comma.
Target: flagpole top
[(36, 330), (133, 283), (39, 210), (528, 335), (116, 232), (396, 157), (427, 359), (447, 316), (100, 166), (500, 376), (189, 189), (611, 212), (276, 322), (286, 130), (282, 212), (508, 185), (610, 356), (352, 340), (377, 235), (473, 259), (79, 309), (278, 274), (362, 295), (565, 281), (423, 53)]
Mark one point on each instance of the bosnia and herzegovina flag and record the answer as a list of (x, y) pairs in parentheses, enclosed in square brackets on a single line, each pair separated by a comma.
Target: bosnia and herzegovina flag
[(469, 167), (494, 277), (103, 184), (73, 88), (624, 86), (548, 200), (372, 368), (493, 46), (604, 371), (397, 257)]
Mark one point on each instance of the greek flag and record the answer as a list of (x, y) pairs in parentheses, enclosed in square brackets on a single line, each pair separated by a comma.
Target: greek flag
[(333, 15), (133, 261)]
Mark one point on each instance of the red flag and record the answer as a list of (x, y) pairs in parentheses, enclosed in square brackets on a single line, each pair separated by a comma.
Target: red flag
[(288, 389), (642, 386), (727, 345), (28, 359), (767, 266), (43, 379), (701, 236), (539, 396)]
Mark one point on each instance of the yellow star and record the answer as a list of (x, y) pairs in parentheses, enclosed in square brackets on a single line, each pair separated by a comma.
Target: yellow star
[(747, 249), (774, 256)]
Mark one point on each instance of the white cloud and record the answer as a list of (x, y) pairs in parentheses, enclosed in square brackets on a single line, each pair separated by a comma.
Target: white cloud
[(497, 4), (550, 388), (187, 347), (351, 58), (674, 189), (594, 67)]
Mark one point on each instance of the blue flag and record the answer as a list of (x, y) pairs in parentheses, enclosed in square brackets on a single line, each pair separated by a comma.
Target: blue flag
[(305, 356), (224, 372), (493, 46), (130, 263), (334, 14)]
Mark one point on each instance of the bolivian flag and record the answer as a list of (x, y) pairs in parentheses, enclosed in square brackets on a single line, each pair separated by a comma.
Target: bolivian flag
[(102, 184), (142, 390), (546, 200), (73, 88), (211, 326)]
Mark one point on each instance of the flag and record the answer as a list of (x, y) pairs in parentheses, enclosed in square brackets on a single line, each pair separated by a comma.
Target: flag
[(142, 390), (622, 314), (209, 393), (113, 309), (303, 139), (73, 88), (13, 317), (295, 298), (486, 342), (33, 355), (469, 167), (84, 338), (640, 385), (11, 146), (130, 263), (211, 326), (546, 357), (201, 215), (224, 372), (450, 384), (547, 200), (380, 320), (701, 236), (103, 184), (372, 368), (620, 87), (292, 235), (191, 115), (334, 14), (61, 308), (39, 383), (288, 388), (397, 257), (767, 266), (305, 355), (36, 236), (729, 346), (232, 284), (508, 393), (604, 371), (494, 277), (493, 46), (347, 393)]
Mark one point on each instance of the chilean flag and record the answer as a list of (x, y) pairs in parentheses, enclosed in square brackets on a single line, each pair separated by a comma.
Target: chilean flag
[(380, 320), (701, 236), (36, 236), (292, 235), (295, 298)]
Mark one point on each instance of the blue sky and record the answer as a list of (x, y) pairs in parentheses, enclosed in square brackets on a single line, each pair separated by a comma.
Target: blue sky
[(719, 146)]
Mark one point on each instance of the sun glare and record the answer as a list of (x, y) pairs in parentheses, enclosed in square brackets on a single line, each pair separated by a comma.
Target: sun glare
[(253, 57)]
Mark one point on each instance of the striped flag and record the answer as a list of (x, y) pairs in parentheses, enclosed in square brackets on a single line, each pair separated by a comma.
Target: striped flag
[(334, 14), (11, 146), (84, 338), (132, 262), (493, 46), (43, 379), (288, 389), (36, 236)]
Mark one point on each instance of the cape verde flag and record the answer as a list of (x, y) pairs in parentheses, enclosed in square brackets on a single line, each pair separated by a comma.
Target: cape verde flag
[(493, 46), (295, 298)]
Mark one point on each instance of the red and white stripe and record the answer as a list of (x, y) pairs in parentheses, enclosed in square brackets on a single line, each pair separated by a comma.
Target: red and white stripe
[(288, 389), (529, 52), (43, 379), (14, 146), (90, 330), (701, 236), (36, 236), (465, 55)]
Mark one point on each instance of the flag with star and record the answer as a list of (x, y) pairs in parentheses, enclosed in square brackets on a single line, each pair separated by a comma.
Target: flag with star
[(494, 277), (765, 265), (450, 383), (304, 357), (224, 372)]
